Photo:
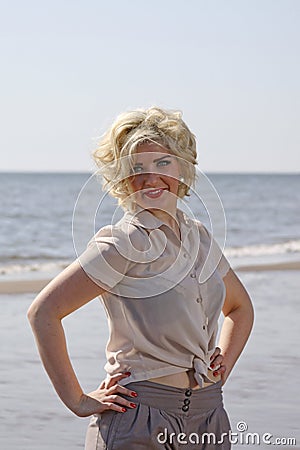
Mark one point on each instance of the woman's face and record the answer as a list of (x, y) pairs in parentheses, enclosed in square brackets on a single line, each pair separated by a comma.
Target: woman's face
[(156, 178)]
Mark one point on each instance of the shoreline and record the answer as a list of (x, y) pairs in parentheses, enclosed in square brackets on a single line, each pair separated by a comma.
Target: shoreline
[(287, 265), (25, 286)]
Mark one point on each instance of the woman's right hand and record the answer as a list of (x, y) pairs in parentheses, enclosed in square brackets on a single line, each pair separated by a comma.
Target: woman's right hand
[(106, 397)]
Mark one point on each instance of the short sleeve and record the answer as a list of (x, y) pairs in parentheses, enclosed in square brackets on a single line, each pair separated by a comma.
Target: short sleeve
[(216, 257), (223, 266), (104, 259)]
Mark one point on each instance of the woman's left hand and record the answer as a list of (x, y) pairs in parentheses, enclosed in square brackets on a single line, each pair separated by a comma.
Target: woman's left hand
[(216, 364)]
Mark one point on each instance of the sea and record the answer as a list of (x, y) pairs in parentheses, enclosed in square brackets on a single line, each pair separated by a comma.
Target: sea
[(47, 219)]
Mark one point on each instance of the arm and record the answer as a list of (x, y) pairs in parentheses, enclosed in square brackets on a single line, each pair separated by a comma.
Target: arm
[(237, 325), (66, 293)]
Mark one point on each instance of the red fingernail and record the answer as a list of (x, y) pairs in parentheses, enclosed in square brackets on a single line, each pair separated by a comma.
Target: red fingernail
[(124, 409), (134, 394), (127, 373), (133, 405), (215, 373), (212, 365)]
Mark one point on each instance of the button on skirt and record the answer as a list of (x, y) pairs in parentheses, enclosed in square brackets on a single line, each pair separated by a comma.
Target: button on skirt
[(166, 417)]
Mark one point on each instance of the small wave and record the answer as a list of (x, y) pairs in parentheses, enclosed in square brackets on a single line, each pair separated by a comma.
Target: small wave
[(20, 257), (264, 249), (48, 267)]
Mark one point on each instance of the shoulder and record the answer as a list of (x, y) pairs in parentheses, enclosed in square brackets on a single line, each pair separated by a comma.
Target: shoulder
[(213, 251), (201, 229), (122, 234)]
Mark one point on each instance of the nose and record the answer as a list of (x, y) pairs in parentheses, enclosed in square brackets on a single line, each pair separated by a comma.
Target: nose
[(151, 179)]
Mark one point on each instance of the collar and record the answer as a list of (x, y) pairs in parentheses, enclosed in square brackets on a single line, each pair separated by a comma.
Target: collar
[(145, 219)]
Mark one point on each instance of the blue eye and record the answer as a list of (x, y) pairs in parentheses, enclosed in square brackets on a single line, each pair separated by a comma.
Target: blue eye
[(137, 169), (164, 162)]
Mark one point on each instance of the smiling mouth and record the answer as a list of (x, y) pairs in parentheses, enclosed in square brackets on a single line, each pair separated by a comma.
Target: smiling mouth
[(154, 193)]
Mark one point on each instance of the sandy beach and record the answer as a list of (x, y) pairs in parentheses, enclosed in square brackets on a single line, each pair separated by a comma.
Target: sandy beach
[(23, 286), (261, 391)]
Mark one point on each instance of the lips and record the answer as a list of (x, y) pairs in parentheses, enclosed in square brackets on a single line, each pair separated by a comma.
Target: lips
[(154, 193)]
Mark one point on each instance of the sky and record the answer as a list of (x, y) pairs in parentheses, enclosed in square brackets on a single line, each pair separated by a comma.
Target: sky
[(69, 67)]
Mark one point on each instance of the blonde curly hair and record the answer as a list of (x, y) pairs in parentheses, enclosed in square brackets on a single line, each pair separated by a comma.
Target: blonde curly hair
[(113, 154)]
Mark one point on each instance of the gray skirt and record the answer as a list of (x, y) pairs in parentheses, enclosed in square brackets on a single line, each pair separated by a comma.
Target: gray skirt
[(166, 417)]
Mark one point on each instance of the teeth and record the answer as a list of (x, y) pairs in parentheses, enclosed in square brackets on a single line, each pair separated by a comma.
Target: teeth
[(157, 191)]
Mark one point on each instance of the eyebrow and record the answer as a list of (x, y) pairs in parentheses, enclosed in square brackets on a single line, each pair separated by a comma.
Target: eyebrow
[(155, 160)]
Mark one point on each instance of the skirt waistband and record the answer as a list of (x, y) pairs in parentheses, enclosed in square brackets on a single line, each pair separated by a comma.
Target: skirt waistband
[(177, 400)]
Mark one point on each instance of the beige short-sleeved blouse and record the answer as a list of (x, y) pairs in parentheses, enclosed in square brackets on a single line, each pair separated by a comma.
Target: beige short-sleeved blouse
[(163, 296)]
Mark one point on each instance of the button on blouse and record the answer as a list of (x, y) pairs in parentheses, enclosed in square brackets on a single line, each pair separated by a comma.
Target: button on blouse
[(162, 320)]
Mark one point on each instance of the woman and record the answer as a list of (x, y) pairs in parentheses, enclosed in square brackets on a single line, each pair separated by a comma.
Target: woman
[(164, 371)]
